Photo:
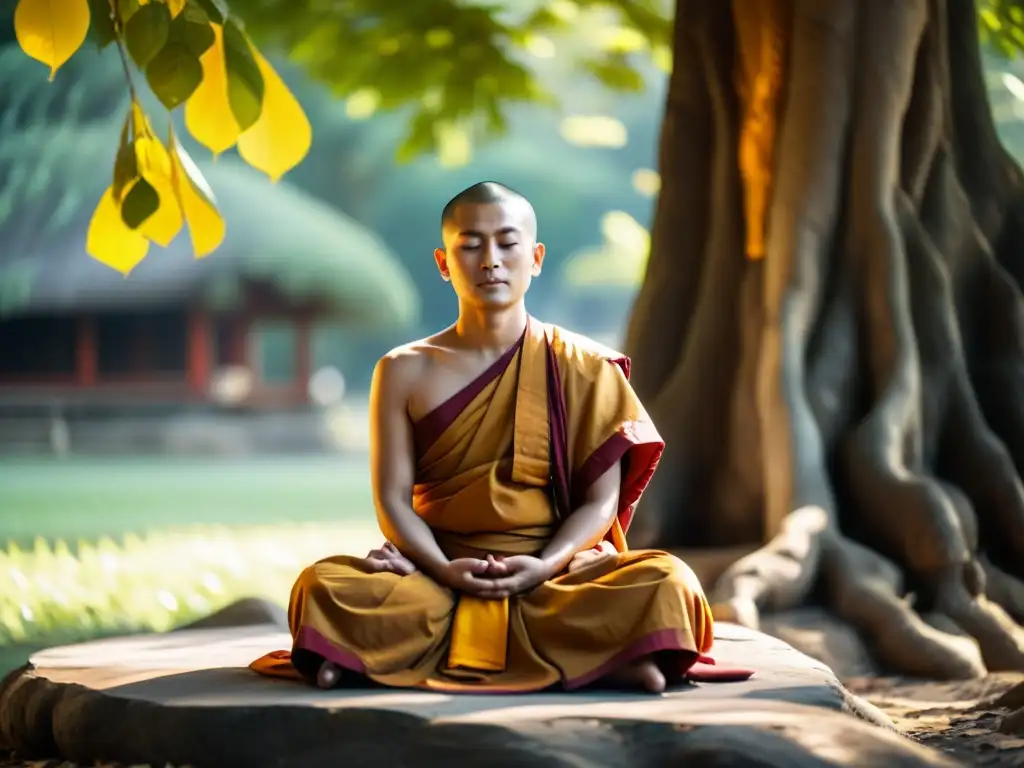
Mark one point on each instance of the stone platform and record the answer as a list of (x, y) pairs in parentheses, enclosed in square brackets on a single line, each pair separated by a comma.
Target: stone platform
[(187, 698)]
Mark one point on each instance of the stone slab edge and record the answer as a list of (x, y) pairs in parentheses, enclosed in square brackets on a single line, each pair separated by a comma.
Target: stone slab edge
[(39, 718)]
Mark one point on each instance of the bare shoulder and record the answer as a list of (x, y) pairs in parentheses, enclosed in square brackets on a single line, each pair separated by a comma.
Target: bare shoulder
[(398, 370), (577, 350)]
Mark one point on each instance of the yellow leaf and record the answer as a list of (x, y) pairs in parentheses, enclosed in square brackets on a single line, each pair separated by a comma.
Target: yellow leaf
[(205, 225), (155, 167), (154, 164), (51, 31), (110, 241), (208, 114), (281, 137)]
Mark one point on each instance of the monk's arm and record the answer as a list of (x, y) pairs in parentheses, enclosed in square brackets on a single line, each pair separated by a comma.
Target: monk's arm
[(588, 523), (393, 465)]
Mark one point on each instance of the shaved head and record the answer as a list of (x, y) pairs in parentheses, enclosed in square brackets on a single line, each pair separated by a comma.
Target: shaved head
[(490, 193)]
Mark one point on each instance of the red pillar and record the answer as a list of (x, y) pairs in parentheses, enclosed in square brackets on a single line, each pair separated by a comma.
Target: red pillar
[(200, 351), (86, 358)]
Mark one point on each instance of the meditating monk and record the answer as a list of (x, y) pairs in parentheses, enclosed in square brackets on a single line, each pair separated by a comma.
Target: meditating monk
[(506, 459)]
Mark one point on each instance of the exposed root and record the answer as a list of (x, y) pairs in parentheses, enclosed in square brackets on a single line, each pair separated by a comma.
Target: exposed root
[(1003, 589), (776, 576), (865, 589)]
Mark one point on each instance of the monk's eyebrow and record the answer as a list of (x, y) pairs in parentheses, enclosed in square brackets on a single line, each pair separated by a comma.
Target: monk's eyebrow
[(482, 236)]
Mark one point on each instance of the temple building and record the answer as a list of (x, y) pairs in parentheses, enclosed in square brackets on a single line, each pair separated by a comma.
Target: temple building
[(245, 329)]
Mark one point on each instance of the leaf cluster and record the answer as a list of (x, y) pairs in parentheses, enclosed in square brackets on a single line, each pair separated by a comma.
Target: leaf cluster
[(1001, 26), (191, 53), (458, 66)]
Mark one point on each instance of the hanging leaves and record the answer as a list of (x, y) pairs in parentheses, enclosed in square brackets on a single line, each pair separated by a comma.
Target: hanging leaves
[(208, 114), (245, 81), (191, 52), (205, 226), (50, 31), (112, 242), (145, 33), (281, 137)]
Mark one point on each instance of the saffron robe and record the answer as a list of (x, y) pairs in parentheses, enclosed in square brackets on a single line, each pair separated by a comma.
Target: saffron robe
[(498, 466)]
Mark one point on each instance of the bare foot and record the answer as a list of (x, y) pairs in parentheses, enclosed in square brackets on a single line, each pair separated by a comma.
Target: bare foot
[(643, 673), (328, 676)]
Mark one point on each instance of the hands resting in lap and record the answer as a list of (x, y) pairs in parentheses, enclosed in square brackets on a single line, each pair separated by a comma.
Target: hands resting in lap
[(494, 578)]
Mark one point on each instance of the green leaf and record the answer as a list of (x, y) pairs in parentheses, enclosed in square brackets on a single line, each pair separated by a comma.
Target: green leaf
[(245, 81), (174, 74), (192, 29), (126, 9), (615, 72), (215, 10), (126, 165), (141, 202), (419, 138), (146, 32), (102, 25), (126, 169)]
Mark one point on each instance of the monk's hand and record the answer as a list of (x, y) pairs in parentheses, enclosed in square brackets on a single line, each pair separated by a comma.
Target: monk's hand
[(496, 567), (523, 573), (389, 559), (469, 575), (605, 550)]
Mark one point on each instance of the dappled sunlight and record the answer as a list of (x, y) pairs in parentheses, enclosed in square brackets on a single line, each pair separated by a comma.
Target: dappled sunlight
[(362, 104), (621, 259), (647, 182), (65, 593), (594, 131)]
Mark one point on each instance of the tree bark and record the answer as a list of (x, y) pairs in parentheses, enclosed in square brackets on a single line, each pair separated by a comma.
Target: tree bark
[(843, 391)]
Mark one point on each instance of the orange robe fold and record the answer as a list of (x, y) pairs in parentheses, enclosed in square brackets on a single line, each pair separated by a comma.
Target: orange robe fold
[(498, 466)]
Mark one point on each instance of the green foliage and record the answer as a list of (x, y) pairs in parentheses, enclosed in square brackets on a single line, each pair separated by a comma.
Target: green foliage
[(146, 31), (174, 73), (102, 28), (1001, 25), (245, 82), (458, 65), (192, 29), (141, 202)]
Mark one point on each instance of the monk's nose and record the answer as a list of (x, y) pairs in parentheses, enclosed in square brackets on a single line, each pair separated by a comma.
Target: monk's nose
[(491, 258)]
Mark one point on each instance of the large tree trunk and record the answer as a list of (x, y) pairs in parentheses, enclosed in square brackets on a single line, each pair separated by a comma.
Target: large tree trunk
[(845, 389)]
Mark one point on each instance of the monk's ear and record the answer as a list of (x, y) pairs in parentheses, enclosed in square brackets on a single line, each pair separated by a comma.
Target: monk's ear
[(441, 258), (538, 259)]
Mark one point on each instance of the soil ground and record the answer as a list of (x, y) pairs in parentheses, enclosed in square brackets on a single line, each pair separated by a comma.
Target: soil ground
[(954, 717)]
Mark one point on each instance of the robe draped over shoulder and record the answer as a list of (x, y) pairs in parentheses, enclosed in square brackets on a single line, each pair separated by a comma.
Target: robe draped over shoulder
[(498, 467)]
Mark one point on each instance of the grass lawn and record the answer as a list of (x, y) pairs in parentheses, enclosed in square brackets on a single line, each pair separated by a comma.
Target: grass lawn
[(87, 498), (95, 547)]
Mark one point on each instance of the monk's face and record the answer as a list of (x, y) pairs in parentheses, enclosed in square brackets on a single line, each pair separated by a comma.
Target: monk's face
[(491, 252)]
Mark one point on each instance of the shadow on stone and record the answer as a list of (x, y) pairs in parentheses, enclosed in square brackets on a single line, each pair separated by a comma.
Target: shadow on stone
[(248, 612)]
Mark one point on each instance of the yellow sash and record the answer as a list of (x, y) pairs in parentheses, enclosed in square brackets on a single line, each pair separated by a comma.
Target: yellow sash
[(479, 637)]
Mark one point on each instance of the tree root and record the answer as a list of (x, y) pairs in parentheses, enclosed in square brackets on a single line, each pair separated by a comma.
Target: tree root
[(874, 438)]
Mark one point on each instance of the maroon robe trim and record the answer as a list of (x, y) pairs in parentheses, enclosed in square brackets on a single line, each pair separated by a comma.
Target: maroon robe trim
[(427, 430), (637, 444)]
